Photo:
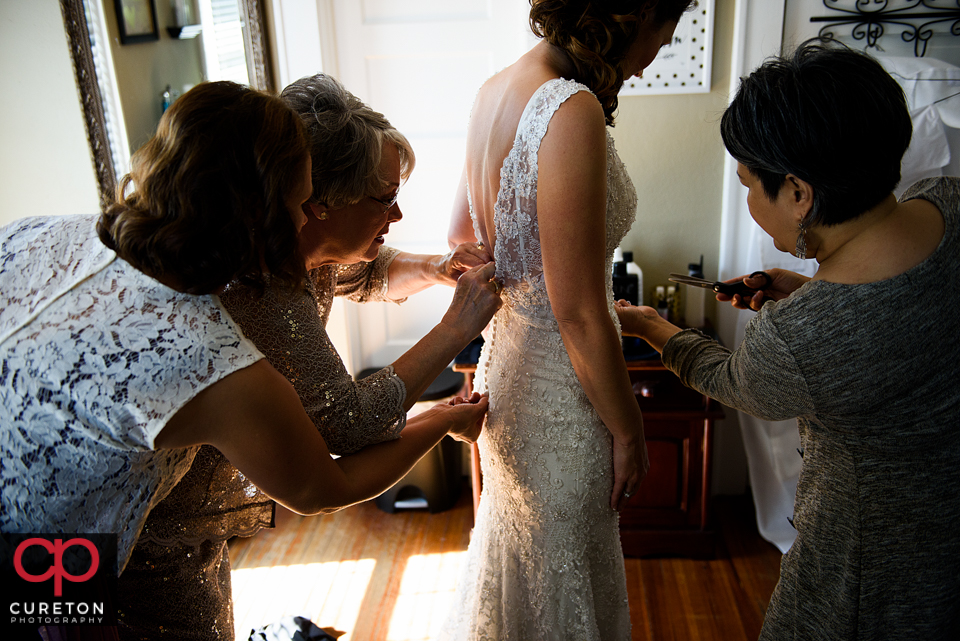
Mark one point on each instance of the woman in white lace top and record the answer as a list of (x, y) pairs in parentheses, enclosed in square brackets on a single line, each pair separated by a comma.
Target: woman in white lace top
[(118, 360)]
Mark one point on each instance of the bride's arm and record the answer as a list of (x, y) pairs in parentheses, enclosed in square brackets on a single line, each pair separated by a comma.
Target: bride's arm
[(571, 205), (461, 225)]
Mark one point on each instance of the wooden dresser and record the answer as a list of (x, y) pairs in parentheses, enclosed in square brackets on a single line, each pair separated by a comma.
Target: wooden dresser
[(669, 515)]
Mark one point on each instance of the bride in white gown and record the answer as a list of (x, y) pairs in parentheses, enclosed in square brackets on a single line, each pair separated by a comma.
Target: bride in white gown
[(563, 448)]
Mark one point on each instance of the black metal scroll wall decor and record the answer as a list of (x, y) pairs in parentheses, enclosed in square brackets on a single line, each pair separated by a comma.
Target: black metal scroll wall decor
[(920, 20)]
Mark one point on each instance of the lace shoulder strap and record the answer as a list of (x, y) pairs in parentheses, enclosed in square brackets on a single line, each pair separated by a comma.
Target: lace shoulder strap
[(517, 251), (61, 251)]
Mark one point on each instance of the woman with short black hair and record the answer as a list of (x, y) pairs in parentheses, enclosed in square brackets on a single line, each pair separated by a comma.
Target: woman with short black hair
[(864, 354)]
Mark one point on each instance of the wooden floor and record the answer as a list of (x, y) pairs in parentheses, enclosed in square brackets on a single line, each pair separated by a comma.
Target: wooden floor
[(374, 576)]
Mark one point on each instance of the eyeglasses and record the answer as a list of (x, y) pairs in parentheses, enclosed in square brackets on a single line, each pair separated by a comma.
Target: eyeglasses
[(387, 204)]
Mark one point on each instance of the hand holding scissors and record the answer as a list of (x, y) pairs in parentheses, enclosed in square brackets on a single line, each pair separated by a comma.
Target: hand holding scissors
[(776, 284), (728, 289)]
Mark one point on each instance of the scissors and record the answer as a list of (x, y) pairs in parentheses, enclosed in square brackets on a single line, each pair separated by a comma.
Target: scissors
[(723, 288)]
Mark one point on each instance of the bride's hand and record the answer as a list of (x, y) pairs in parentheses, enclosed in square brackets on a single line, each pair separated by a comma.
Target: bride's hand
[(630, 466)]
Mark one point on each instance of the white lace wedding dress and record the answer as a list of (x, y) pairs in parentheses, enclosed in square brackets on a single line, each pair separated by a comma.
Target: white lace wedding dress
[(545, 560)]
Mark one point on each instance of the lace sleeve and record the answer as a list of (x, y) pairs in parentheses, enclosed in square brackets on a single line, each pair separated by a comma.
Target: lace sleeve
[(290, 330), (367, 282)]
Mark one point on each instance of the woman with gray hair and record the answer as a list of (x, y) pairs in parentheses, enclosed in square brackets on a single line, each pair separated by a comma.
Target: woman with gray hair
[(358, 164)]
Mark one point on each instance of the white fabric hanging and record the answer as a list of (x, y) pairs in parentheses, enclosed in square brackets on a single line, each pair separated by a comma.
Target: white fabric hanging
[(927, 81), (773, 472), (773, 460)]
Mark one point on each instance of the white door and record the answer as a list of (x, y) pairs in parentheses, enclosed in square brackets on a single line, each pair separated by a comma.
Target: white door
[(420, 63)]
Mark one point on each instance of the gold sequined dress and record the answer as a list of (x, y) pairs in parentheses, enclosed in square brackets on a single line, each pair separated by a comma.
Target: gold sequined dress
[(177, 582)]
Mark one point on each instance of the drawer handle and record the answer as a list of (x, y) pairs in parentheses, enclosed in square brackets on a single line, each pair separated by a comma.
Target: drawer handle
[(645, 389)]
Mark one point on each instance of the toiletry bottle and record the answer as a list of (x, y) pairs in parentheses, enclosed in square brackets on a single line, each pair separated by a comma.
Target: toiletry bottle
[(634, 270), (165, 99), (696, 298), (624, 285), (660, 298), (673, 303)]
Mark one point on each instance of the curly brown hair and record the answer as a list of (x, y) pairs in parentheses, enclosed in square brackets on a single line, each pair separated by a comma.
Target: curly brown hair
[(206, 193), (596, 35)]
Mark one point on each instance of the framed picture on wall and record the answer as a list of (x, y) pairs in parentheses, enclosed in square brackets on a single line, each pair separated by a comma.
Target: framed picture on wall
[(137, 21)]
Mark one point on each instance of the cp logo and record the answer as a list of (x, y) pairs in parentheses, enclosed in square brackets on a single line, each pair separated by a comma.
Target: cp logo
[(56, 571)]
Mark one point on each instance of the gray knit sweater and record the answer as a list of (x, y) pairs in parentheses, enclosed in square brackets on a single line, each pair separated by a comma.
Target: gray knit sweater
[(872, 373)]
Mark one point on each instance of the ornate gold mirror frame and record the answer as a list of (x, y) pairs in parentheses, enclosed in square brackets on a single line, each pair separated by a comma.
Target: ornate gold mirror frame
[(84, 67)]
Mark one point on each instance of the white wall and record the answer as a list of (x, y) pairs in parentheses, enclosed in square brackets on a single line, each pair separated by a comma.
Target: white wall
[(45, 161), (671, 146)]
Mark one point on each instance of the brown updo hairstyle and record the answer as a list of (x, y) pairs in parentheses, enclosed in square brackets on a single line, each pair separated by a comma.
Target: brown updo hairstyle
[(596, 35), (206, 193)]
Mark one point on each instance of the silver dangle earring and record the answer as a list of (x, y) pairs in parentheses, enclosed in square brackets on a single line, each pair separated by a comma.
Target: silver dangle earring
[(802, 242)]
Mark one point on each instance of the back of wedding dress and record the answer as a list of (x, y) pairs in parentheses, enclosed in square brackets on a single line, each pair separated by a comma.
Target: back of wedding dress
[(545, 559)]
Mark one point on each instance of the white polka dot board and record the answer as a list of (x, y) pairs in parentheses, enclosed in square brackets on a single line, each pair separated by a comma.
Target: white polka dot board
[(684, 65)]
